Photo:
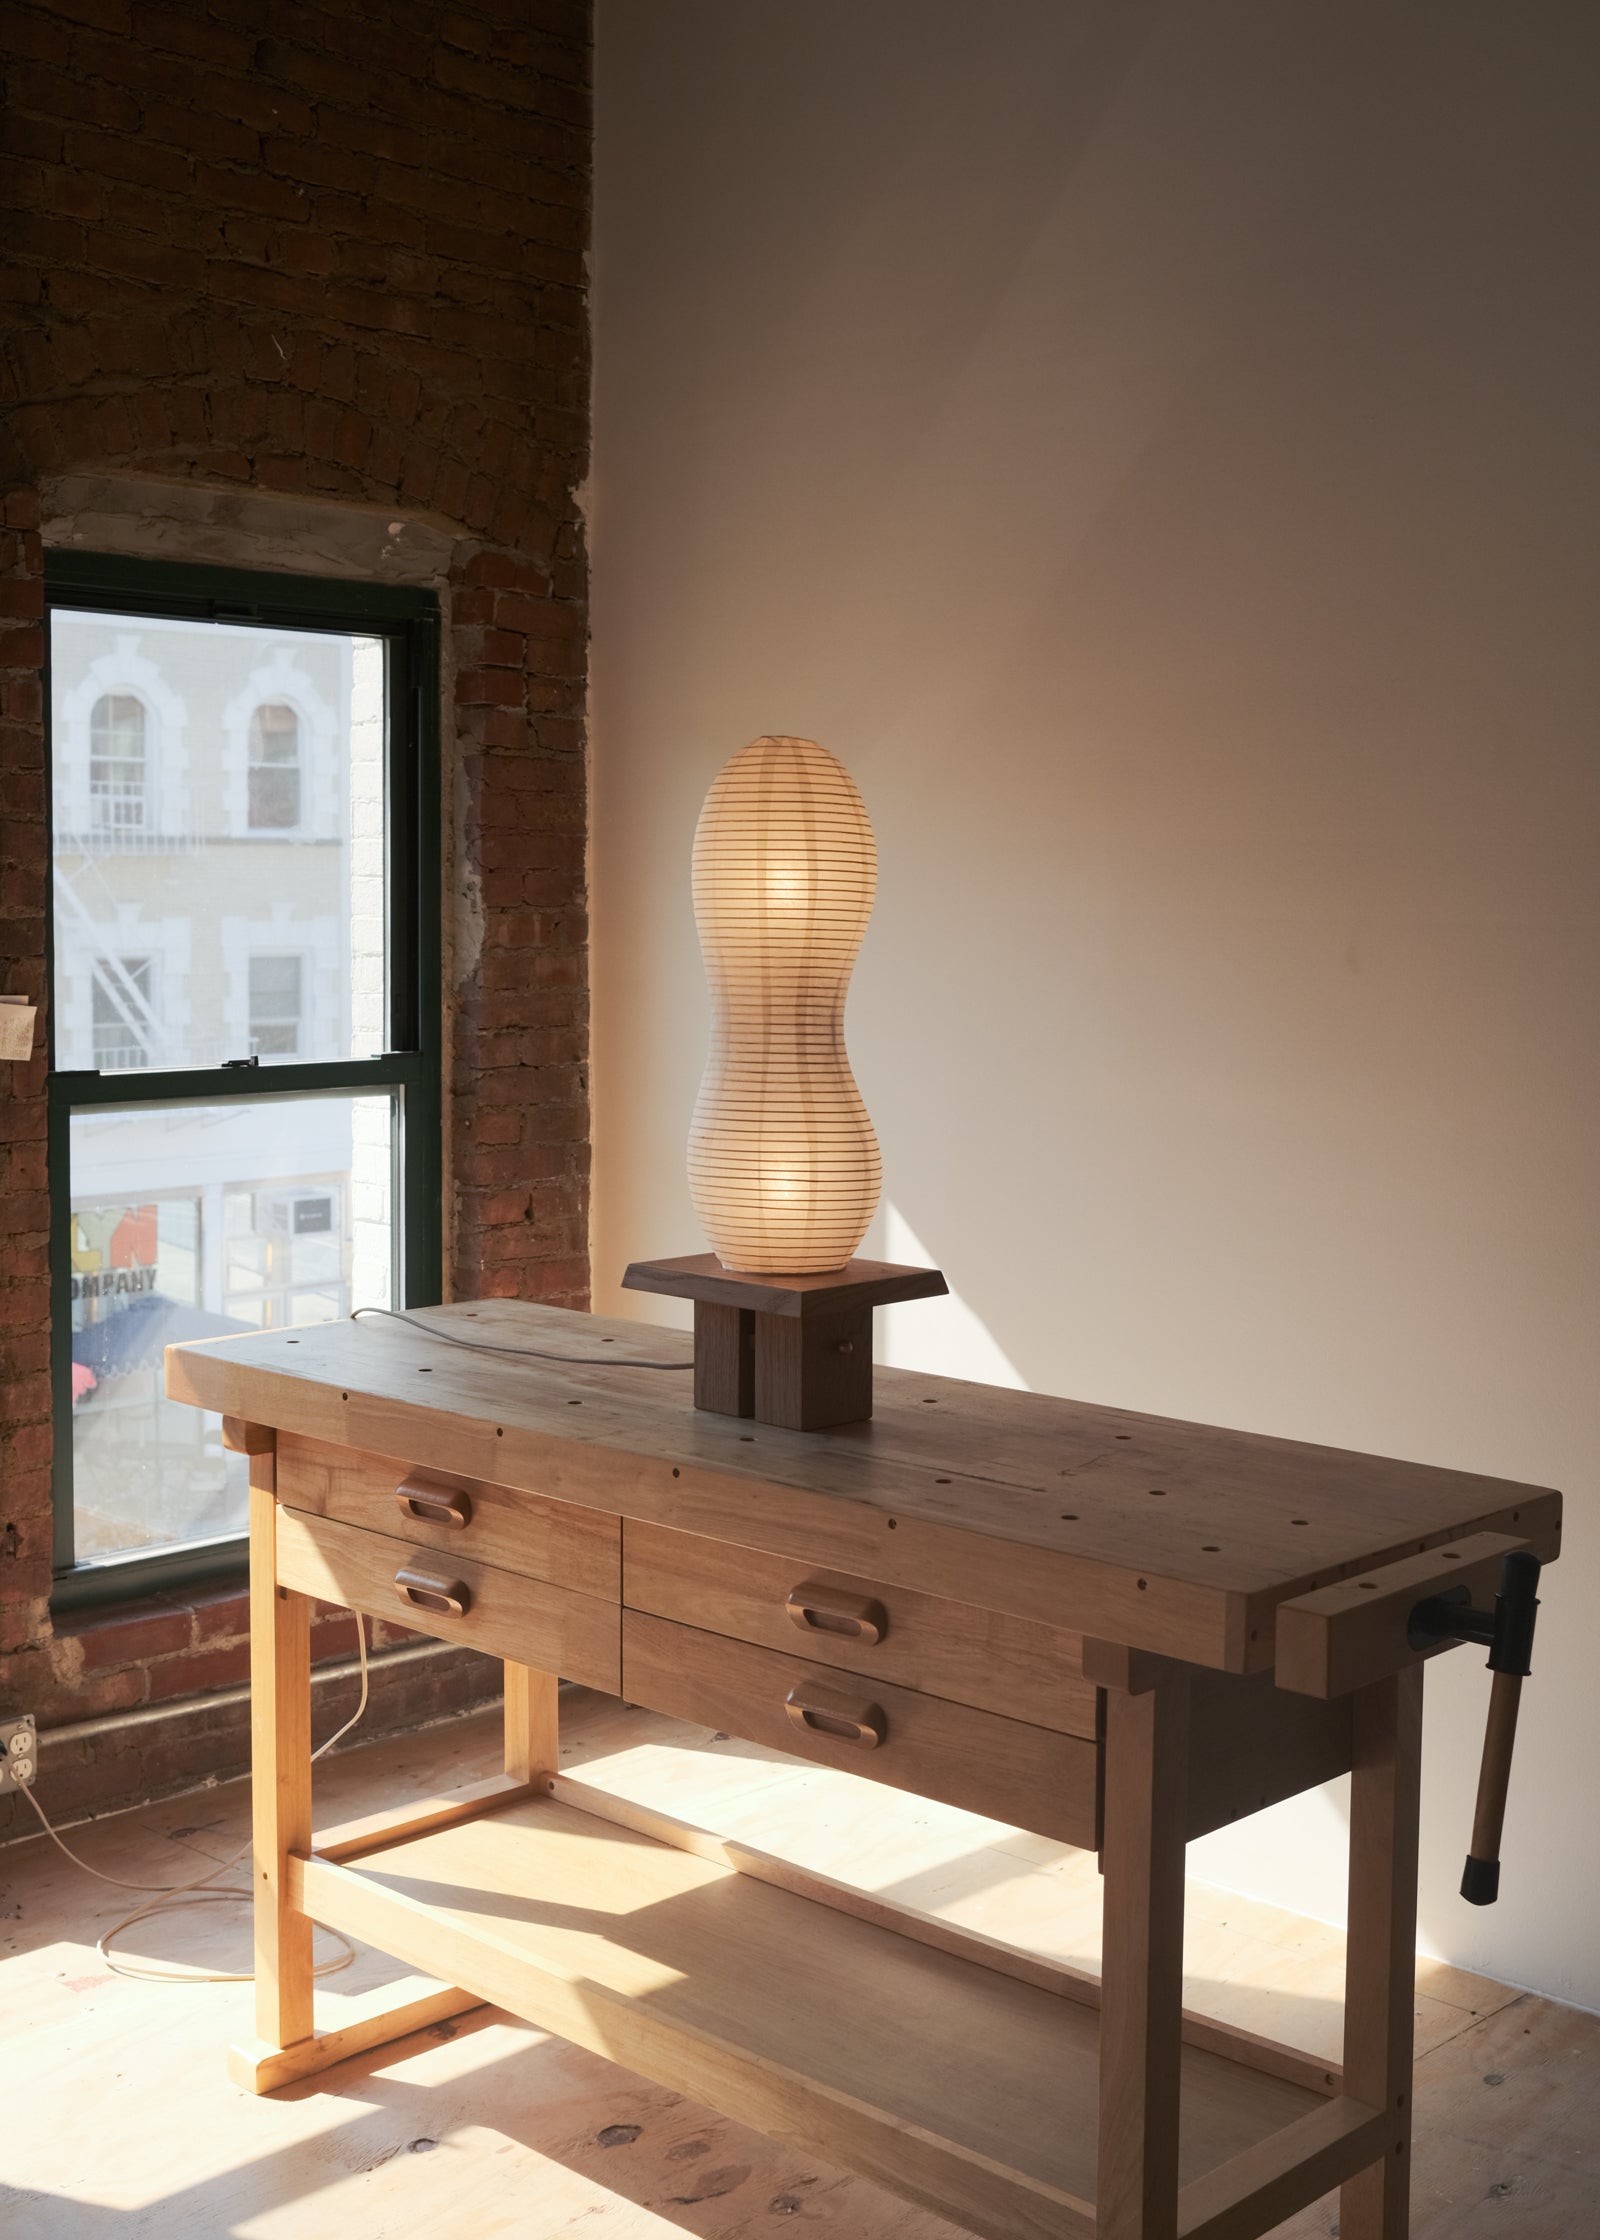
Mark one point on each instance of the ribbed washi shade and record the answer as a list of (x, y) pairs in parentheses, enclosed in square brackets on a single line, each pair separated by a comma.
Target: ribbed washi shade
[(783, 1163)]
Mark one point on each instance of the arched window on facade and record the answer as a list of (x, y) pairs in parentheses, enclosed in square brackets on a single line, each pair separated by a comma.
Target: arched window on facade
[(118, 775), (275, 774)]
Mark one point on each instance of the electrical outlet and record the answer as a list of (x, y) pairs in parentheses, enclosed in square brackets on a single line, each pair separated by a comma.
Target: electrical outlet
[(19, 1753)]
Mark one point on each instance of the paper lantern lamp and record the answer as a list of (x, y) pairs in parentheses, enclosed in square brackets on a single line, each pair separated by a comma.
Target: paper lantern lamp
[(783, 1164)]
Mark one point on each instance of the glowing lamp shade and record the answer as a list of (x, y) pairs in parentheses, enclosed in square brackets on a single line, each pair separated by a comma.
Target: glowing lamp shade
[(783, 1163)]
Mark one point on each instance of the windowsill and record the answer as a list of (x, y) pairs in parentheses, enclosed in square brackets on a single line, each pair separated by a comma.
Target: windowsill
[(98, 1586)]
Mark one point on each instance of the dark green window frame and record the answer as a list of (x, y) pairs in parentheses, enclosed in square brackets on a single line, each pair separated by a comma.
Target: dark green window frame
[(408, 621)]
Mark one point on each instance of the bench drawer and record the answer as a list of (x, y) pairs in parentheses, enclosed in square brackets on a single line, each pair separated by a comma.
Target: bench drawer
[(453, 1598), (1028, 1776), (455, 1516), (1013, 1666)]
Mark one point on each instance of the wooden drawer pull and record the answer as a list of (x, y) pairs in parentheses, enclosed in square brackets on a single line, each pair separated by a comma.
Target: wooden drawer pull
[(822, 1710), (832, 1610), (433, 1504), (440, 1595)]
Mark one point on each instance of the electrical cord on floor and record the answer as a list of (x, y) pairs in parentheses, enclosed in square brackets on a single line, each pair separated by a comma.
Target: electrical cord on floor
[(524, 1353), (172, 1895)]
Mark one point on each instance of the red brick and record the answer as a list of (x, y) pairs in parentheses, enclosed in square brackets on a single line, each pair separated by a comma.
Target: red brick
[(201, 1670), (152, 263), (26, 30), (489, 687), (33, 137), (201, 132), (252, 101), (184, 31), (21, 599), (114, 157), (252, 190), (94, 1698), (311, 164), (221, 1616), (133, 1636), (62, 93), (333, 1636)]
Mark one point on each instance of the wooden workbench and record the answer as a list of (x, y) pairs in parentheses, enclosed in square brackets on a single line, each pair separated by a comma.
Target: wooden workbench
[(1107, 1628)]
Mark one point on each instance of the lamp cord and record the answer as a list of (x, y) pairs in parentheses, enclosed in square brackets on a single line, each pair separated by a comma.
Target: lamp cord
[(524, 1353), (200, 1891)]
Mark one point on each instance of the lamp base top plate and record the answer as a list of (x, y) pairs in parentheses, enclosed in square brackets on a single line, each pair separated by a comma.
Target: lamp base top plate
[(859, 1283)]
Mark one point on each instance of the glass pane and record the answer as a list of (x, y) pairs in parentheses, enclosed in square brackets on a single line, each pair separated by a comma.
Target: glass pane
[(219, 831), (191, 1221), (276, 1006)]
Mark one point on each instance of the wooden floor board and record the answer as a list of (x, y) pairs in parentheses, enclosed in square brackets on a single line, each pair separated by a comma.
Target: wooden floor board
[(483, 2127)]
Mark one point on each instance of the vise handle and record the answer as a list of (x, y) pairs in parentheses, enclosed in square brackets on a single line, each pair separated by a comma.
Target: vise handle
[(1507, 1633)]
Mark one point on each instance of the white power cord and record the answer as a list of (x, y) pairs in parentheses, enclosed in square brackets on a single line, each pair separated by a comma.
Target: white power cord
[(199, 1892), (168, 1895)]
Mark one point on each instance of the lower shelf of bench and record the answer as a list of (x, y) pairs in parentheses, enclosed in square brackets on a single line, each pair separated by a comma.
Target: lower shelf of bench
[(960, 2087)]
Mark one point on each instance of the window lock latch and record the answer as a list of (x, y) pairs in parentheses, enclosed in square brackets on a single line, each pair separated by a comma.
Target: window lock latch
[(232, 1065)]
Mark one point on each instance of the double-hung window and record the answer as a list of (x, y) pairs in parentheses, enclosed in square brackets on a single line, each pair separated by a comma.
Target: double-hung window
[(244, 1089)]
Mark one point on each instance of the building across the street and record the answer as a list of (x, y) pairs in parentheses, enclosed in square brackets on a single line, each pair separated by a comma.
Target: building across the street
[(218, 865)]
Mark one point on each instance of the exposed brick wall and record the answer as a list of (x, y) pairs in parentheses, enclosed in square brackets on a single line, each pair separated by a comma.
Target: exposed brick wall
[(190, 1655), (174, 1645), (26, 1530), (337, 253), (519, 1087)]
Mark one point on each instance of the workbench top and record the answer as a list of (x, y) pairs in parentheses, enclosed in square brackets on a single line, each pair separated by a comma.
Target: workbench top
[(1176, 1537)]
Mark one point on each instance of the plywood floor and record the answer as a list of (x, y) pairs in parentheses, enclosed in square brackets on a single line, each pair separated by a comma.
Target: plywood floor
[(117, 2120)]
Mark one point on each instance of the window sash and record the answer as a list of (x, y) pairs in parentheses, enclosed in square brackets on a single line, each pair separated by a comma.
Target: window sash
[(407, 620)]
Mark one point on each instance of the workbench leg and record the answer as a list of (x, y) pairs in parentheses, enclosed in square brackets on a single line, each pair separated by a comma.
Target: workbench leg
[(1141, 2010), (533, 1723), (1381, 1952), (280, 1760)]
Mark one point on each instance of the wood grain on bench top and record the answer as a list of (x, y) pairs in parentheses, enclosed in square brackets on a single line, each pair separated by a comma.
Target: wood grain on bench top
[(1182, 1538)]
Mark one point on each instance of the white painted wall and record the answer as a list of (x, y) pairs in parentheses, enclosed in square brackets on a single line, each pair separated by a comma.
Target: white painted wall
[(1154, 447)]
